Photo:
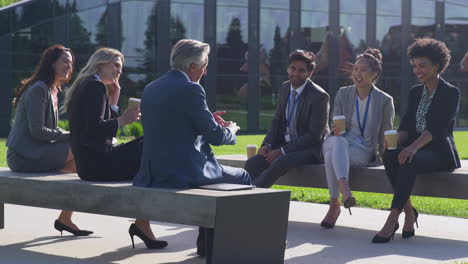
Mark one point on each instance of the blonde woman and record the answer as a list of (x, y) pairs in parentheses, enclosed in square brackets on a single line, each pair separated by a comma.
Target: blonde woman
[(91, 103)]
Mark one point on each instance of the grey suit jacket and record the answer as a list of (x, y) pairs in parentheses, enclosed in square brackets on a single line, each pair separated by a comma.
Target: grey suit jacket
[(35, 122), (381, 119), (311, 120)]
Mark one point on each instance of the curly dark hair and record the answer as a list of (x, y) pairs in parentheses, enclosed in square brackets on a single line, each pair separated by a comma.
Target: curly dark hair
[(303, 55), (436, 51)]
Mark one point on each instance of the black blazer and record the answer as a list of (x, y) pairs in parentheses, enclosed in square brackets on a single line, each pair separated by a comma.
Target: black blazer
[(440, 120), (311, 120), (93, 123)]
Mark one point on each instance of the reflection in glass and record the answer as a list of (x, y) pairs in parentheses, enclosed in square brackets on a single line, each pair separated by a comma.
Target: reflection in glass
[(388, 37), (456, 37), (139, 23), (353, 36), (186, 20), (274, 36), (232, 37), (314, 25), (85, 4), (423, 18), (27, 14)]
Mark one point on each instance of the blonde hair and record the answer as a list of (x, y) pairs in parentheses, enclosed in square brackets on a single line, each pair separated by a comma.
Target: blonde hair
[(100, 57)]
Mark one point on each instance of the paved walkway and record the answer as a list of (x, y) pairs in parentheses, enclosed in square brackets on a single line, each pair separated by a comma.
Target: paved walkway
[(29, 238)]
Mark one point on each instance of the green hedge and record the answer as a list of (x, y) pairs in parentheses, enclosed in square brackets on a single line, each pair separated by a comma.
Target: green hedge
[(132, 130)]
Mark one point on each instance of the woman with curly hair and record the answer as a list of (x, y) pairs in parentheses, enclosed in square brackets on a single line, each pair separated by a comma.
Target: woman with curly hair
[(425, 136)]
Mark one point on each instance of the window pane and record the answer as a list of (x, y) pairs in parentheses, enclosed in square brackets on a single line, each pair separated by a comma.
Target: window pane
[(389, 43), (353, 36), (314, 25), (186, 20), (274, 35), (232, 37), (139, 22), (27, 14), (456, 37), (423, 18)]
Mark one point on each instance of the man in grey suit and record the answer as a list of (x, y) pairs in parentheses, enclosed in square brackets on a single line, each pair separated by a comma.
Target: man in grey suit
[(298, 128), (179, 128)]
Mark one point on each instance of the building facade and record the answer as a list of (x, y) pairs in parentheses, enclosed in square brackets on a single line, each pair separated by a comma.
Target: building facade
[(250, 41)]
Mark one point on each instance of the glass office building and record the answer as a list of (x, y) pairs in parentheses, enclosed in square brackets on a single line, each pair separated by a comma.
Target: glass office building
[(250, 41)]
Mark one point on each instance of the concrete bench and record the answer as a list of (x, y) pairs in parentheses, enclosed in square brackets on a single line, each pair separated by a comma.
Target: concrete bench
[(372, 179), (250, 226)]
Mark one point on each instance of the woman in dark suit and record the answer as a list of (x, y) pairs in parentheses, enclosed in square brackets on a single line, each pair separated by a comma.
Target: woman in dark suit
[(91, 103), (35, 143), (425, 135)]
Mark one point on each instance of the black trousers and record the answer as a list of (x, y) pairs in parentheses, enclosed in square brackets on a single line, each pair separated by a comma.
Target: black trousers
[(402, 177), (120, 163), (265, 174)]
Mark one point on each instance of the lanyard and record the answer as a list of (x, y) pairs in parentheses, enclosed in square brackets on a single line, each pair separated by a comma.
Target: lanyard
[(363, 126), (290, 115)]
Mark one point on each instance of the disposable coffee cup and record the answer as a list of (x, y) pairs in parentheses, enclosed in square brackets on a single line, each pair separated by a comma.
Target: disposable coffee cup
[(340, 123), (132, 102), (251, 150), (391, 137)]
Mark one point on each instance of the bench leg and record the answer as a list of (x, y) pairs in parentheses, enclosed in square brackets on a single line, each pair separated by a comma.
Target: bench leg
[(249, 230), (2, 215)]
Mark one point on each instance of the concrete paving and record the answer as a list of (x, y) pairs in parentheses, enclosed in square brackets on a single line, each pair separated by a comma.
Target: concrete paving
[(29, 238)]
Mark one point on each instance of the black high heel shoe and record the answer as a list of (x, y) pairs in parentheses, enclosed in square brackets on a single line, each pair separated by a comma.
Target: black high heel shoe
[(59, 226), (380, 239), (408, 234), (150, 244), (329, 225), (350, 202)]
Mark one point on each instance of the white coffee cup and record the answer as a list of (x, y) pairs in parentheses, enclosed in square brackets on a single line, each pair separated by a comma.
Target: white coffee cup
[(251, 150), (391, 136), (132, 102), (340, 123)]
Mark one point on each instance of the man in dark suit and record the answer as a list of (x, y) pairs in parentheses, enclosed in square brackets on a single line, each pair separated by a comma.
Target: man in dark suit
[(298, 128), (179, 128)]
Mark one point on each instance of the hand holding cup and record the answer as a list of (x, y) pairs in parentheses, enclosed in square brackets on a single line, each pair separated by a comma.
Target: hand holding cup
[(339, 125), (130, 115)]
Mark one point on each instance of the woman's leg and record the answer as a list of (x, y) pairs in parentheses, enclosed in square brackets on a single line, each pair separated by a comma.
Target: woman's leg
[(403, 179), (410, 217), (65, 218), (145, 227), (329, 147), (358, 157), (329, 167), (334, 208), (391, 164), (423, 161), (70, 166), (340, 164)]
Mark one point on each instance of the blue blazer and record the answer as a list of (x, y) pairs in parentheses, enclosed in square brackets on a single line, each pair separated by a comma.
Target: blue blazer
[(178, 130)]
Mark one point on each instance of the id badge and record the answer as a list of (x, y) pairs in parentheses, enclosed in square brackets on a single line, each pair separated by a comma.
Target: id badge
[(287, 138)]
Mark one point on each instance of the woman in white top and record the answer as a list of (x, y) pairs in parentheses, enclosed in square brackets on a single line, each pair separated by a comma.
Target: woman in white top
[(368, 114)]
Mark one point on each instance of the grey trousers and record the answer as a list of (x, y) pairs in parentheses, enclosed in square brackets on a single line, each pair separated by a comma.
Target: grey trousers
[(339, 155), (265, 174)]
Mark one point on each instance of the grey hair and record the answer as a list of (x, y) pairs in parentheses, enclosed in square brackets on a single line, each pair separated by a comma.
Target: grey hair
[(188, 51)]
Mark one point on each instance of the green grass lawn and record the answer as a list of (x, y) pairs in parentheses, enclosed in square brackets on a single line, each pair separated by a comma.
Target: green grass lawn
[(427, 205)]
